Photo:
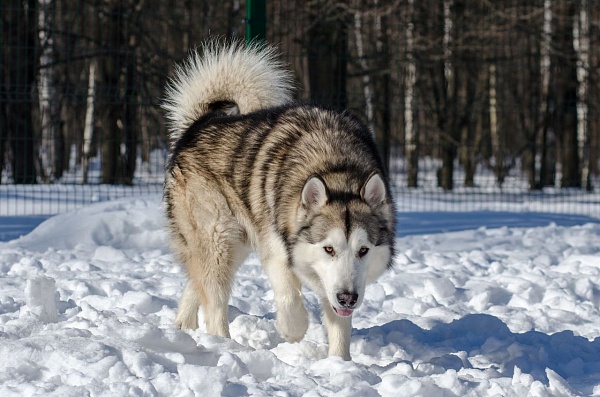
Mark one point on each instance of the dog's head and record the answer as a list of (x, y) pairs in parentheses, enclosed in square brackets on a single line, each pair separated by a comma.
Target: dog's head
[(344, 240)]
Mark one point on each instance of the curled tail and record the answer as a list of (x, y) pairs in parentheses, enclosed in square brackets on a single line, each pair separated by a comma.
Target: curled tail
[(235, 78)]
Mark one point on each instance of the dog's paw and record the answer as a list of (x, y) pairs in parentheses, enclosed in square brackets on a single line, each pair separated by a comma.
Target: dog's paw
[(292, 322), (184, 321)]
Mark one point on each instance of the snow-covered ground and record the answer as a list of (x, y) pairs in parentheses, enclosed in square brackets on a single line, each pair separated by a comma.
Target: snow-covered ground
[(478, 304)]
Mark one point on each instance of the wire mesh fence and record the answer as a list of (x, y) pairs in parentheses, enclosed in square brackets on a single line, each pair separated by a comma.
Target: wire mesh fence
[(474, 104)]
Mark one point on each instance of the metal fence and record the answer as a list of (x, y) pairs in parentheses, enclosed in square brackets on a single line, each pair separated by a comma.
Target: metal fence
[(475, 104)]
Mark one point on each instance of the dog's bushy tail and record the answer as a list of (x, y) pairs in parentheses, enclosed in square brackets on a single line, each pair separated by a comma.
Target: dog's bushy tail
[(232, 78)]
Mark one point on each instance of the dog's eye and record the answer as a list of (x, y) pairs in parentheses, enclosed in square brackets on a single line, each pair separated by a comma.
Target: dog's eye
[(329, 250), (362, 252)]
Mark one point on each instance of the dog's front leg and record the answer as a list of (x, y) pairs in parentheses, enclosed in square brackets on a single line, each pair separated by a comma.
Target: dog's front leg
[(292, 317), (339, 330)]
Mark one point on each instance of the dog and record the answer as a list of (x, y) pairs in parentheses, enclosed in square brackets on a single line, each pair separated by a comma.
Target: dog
[(304, 186)]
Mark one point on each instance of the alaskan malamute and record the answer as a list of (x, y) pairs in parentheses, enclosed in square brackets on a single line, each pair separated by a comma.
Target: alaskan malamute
[(303, 186)]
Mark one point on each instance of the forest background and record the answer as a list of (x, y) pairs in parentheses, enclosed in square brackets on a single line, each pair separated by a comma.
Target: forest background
[(506, 88)]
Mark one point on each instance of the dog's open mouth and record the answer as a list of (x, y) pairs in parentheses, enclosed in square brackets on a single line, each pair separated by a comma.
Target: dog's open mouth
[(343, 312)]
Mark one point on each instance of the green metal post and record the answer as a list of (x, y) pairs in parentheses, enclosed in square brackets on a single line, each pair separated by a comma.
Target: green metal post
[(256, 21)]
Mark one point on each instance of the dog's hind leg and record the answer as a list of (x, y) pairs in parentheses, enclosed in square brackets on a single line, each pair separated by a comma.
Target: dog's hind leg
[(213, 289), (210, 279), (210, 243)]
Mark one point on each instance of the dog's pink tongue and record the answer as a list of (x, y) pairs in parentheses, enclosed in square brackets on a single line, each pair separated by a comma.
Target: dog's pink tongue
[(344, 312)]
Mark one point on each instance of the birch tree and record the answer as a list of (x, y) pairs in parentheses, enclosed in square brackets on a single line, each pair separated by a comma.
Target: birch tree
[(447, 140), (89, 122), (548, 159), (411, 137), (52, 144), (494, 129), (383, 81), (581, 43), (364, 67)]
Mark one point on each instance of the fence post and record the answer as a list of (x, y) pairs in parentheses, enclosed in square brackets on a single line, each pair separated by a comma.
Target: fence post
[(256, 21)]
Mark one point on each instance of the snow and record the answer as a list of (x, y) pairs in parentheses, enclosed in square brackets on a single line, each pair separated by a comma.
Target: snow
[(478, 304)]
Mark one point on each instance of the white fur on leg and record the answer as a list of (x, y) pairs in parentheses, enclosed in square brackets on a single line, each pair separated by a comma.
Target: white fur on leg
[(292, 317), (187, 313), (215, 314), (339, 330)]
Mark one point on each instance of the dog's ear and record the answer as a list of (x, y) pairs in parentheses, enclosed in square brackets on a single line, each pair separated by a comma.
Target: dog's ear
[(314, 194), (373, 191)]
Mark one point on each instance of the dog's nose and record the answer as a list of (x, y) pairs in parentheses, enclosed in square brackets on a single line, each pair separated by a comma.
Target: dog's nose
[(347, 299)]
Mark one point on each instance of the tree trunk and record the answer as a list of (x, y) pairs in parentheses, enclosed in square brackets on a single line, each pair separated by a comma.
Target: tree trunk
[(130, 119), (446, 172), (497, 147), (233, 23), (146, 139), (448, 144), (411, 133), (109, 72), (547, 155), (3, 123), (469, 139), (581, 43), (364, 68), (527, 91), (565, 76), (88, 129), (382, 102), (52, 148), (20, 77), (327, 58)]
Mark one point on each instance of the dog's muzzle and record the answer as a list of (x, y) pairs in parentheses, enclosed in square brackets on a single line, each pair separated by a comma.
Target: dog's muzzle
[(347, 301)]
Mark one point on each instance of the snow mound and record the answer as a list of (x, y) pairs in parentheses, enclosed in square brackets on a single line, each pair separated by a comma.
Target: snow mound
[(118, 224)]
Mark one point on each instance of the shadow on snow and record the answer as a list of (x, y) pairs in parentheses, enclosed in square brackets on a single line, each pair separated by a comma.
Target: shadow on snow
[(484, 342)]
